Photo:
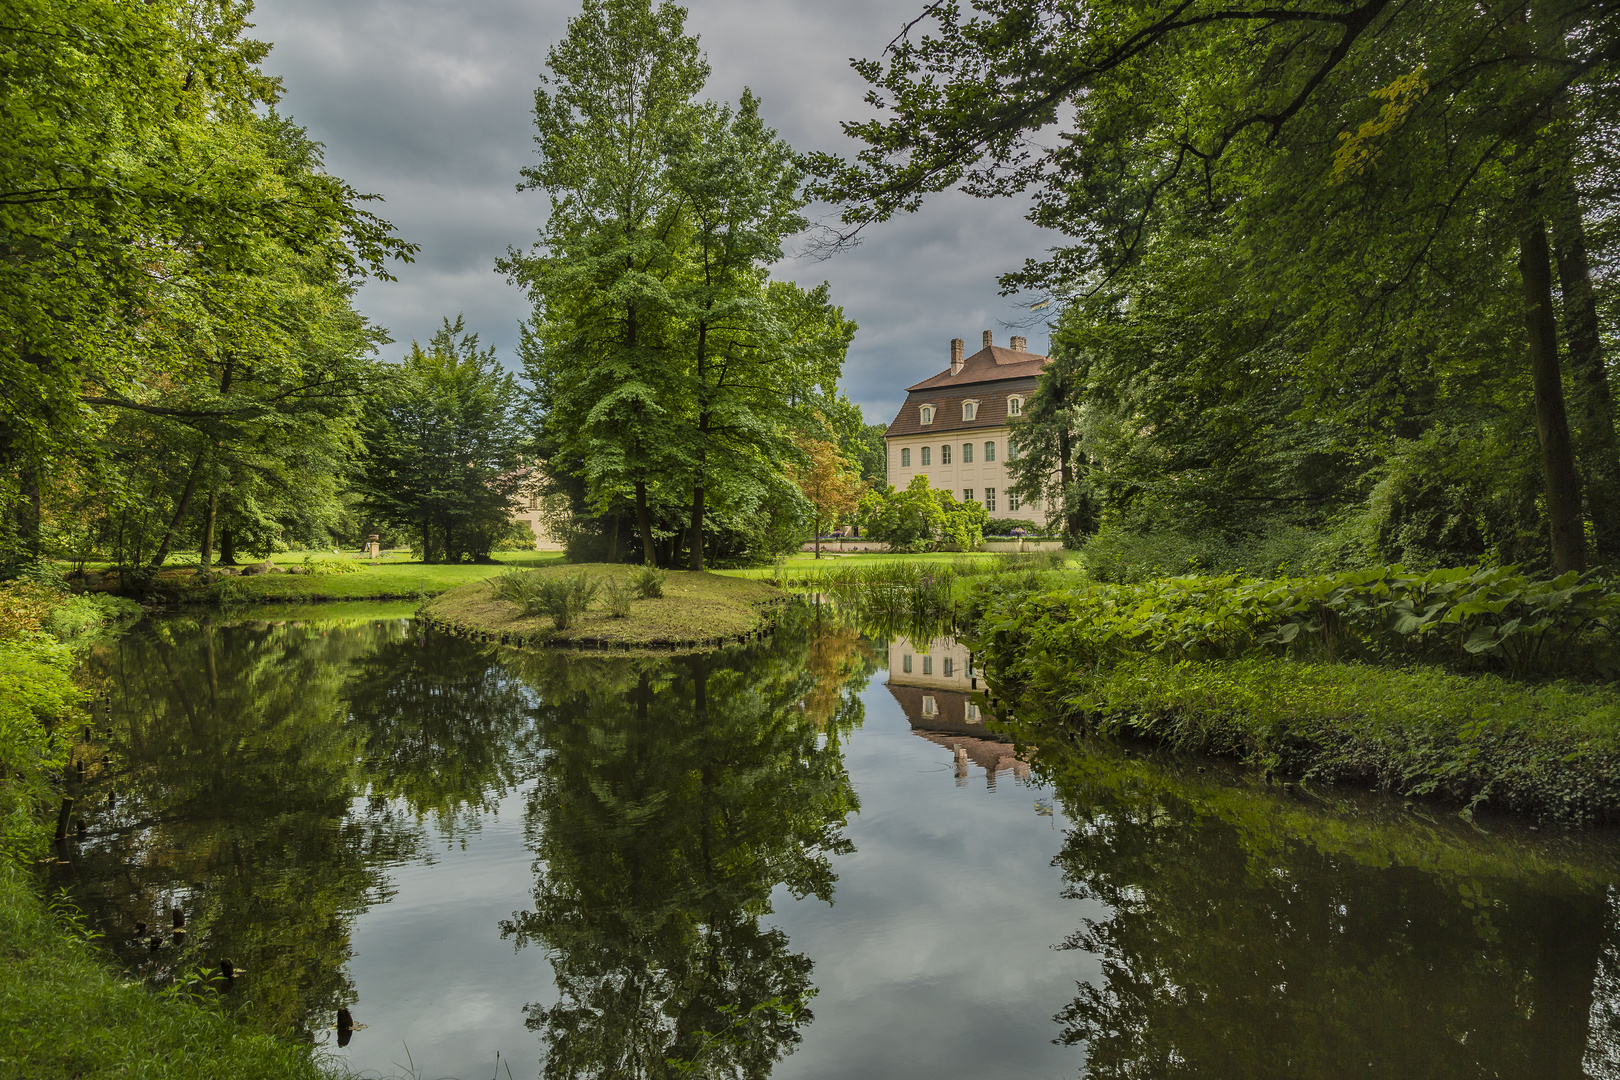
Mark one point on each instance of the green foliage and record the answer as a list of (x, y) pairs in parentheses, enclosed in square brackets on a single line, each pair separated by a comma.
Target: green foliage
[(617, 595), (564, 597), (323, 565), (442, 448), (1005, 527), (1490, 618), (1552, 751), (649, 582), (37, 693), (921, 518), (1117, 553), (78, 618)]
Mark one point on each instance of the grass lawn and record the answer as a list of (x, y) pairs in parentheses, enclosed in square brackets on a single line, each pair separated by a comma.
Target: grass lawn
[(395, 576), (803, 561), (696, 609)]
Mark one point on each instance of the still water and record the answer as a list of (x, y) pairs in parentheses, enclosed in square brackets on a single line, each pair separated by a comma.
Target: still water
[(807, 858)]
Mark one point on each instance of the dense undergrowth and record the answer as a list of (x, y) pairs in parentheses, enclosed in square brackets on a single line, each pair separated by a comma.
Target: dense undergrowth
[(1481, 686)]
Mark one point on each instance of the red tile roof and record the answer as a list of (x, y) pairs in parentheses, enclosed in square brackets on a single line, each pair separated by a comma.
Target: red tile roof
[(988, 377), (987, 365)]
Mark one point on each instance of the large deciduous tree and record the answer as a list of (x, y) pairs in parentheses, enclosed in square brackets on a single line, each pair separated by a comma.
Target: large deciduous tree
[(442, 449)]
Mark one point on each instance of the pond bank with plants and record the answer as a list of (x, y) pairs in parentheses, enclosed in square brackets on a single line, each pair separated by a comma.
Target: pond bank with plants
[(64, 1010), (1486, 688), (604, 605)]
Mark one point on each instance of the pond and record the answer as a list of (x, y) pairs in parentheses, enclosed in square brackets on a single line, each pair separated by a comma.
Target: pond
[(816, 856)]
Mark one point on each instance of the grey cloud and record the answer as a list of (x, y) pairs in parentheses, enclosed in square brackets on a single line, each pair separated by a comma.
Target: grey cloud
[(428, 105)]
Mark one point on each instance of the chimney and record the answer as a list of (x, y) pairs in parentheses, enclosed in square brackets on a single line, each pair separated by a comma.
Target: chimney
[(987, 339), (958, 347), (1020, 345)]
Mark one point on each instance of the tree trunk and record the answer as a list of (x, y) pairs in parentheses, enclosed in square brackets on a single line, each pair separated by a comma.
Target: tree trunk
[(179, 511), (1071, 513), (206, 556), (1590, 394), (644, 523), (227, 546), (1552, 424), (697, 527), (613, 544), (818, 532)]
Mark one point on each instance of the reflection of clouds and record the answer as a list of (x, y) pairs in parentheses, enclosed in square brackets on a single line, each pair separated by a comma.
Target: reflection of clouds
[(428, 104), (936, 958), (1602, 1058)]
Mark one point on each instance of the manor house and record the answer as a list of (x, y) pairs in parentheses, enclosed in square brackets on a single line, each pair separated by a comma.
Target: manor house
[(953, 427)]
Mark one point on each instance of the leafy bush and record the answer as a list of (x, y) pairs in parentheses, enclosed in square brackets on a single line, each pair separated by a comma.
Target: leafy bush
[(1126, 556), (920, 518), (617, 593), (81, 616), (326, 565), (1491, 618), (649, 582), (1005, 527)]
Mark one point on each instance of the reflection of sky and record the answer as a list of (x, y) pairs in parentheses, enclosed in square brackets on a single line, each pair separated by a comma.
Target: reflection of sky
[(935, 959)]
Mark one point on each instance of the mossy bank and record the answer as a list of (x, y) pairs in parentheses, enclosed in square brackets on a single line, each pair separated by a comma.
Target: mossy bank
[(696, 610)]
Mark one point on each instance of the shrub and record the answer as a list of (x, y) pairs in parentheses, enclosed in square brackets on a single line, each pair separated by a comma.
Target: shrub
[(649, 582), (1126, 555), (617, 593), (564, 597), (1490, 618), (332, 566), (1006, 527), (81, 616), (920, 518)]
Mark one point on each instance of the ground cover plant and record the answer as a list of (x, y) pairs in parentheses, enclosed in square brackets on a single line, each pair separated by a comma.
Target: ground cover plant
[(1434, 684)]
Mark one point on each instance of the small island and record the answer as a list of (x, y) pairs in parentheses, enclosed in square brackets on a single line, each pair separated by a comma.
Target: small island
[(695, 610)]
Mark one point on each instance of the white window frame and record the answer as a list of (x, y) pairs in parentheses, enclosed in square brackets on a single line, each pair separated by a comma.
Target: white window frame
[(989, 451), (967, 453), (1015, 406), (926, 463), (925, 414), (905, 457), (989, 500), (945, 453), (970, 409)]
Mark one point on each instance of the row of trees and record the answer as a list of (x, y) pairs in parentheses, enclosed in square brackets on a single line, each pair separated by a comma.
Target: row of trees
[(179, 355), (676, 383), (184, 369), (1343, 268)]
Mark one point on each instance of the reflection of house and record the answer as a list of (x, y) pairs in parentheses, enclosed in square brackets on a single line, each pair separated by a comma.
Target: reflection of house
[(935, 687)]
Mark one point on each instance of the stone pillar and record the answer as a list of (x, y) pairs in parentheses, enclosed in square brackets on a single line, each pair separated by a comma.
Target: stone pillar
[(373, 548), (987, 340), (958, 348)]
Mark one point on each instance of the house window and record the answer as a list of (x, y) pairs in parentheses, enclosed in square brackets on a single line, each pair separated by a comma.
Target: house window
[(925, 456), (928, 665), (1015, 406), (967, 453), (945, 454), (989, 451), (969, 409), (905, 663), (990, 499), (973, 713), (905, 457), (929, 708), (949, 664), (1034, 504), (928, 414), (967, 494), (1012, 450), (1012, 503)]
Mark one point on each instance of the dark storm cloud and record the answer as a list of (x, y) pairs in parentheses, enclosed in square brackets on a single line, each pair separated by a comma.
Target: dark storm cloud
[(428, 103)]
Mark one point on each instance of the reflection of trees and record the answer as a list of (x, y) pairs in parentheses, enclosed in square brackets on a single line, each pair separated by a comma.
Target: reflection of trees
[(445, 728), (674, 797), (235, 776), (1251, 937), (241, 756)]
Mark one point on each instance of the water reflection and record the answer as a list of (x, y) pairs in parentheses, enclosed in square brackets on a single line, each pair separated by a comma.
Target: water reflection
[(270, 777), (1252, 935), (674, 799)]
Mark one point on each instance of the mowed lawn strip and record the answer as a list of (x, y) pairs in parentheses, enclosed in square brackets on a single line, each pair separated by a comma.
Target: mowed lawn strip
[(696, 609)]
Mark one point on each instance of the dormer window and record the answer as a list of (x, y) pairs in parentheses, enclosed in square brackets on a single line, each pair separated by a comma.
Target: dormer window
[(970, 409), (1015, 406), (928, 414)]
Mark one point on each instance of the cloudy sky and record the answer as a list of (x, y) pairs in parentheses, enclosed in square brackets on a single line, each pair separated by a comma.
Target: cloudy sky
[(428, 104)]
